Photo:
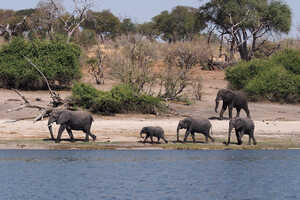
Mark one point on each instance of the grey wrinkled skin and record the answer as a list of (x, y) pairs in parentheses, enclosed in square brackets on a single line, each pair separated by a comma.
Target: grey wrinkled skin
[(242, 126), (153, 131), (193, 126), (71, 120), (232, 100)]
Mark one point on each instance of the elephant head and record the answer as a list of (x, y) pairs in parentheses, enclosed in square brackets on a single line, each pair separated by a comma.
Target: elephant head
[(60, 117), (223, 95), (183, 124), (144, 130), (236, 123)]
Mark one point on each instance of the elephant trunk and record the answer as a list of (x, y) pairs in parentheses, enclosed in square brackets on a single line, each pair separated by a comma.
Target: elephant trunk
[(217, 105), (50, 122), (229, 132), (51, 132), (178, 128), (141, 134)]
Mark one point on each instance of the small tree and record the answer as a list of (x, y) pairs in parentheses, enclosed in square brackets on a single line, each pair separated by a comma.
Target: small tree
[(131, 61), (180, 59), (95, 66)]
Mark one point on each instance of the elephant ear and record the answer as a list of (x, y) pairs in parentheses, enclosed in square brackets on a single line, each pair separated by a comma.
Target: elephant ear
[(63, 118), (239, 122)]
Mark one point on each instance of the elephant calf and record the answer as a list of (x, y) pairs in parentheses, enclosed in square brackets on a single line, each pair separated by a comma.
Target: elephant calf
[(71, 120), (242, 126), (153, 131), (193, 126)]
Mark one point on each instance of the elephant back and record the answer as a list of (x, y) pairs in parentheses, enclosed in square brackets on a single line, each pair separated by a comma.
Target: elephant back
[(240, 99), (200, 125)]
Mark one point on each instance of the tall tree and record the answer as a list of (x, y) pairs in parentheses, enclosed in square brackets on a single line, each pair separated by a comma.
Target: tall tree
[(14, 23), (246, 23), (104, 23), (72, 21), (183, 23), (127, 26)]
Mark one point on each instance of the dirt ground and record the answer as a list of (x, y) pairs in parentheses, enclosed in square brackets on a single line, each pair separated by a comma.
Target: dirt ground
[(276, 125)]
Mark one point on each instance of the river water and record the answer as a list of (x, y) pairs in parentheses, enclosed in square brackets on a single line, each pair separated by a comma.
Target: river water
[(188, 175)]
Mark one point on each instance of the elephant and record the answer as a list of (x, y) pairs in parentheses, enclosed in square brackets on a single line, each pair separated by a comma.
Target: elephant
[(71, 120), (242, 126), (193, 126), (151, 131), (232, 100)]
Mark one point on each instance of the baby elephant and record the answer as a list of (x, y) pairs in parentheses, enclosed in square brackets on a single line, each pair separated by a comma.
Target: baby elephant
[(151, 131), (242, 126), (193, 126)]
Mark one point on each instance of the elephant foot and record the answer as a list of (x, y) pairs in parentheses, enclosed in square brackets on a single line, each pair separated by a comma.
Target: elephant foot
[(57, 141)]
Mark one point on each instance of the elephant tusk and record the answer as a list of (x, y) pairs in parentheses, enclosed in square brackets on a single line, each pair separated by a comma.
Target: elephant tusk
[(49, 125)]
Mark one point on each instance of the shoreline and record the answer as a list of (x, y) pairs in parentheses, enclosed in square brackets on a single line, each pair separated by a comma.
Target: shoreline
[(122, 133)]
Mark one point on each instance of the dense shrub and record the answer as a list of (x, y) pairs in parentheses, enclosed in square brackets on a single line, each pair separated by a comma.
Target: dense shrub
[(276, 78), (121, 99), (276, 84), (240, 74), (58, 61), (289, 58)]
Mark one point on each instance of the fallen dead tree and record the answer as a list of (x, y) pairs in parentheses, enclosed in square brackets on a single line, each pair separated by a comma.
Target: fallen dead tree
[(56, 103)]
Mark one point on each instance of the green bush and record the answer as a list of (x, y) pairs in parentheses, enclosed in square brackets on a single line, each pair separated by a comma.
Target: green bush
[(289, 58), (276, 84), (276, 78), (240, 74), (57, 60), (121, 99)]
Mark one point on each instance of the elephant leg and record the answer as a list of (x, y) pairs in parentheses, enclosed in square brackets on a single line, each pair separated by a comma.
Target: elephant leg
[(147, 136), (86, 136), (238, 110), (70, 134), (158, 138), (211, 138), (60, 131), (164, 139), (247, 112), (224, 107), (238, 137), (193, 136), (186, 135), (151, 138), (230, 108), (93, 136), (252, 136)]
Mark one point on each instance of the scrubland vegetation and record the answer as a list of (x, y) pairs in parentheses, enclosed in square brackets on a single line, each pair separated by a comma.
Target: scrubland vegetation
[(153, 61)]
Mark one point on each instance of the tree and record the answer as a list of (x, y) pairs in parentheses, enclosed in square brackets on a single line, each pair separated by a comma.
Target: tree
[(95, 65), (127, 26), (182, 24), (104, 23), (72, 21), (244, 24), (14, 23), (148, 29)]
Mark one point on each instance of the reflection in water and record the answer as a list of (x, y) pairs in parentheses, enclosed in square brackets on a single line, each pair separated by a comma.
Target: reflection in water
[(149, 174)]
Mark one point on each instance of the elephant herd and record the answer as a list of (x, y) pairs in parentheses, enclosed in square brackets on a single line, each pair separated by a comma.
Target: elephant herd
[(79, 120)]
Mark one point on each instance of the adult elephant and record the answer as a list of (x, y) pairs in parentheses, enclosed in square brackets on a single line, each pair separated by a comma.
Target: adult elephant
[(232, 100), (71, 120), (193, 126), (242, 126)]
